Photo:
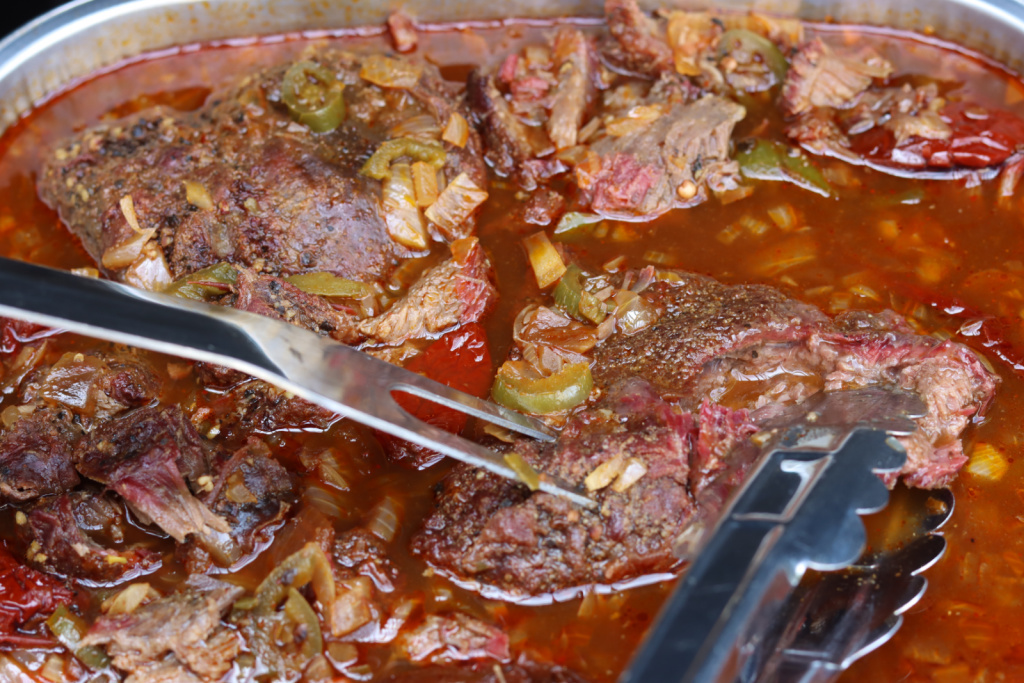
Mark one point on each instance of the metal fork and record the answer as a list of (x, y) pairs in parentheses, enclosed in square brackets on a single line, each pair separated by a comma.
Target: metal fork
[(353, 384)]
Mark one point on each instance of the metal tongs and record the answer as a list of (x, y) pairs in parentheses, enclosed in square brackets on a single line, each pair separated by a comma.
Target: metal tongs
[(736, 614), (740, 613)]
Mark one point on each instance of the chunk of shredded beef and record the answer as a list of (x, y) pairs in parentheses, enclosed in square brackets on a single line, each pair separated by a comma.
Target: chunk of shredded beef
[(94, 385), (278, 197), (253, 406), (820, 77), (458, 291), (56, 533), (514, 150), (252, 493), (275, 298), (59, 403), (451, 638), (574, 90), (642, 46), (359, 552), (642, 174), (180, 633), (36, 455), (498, 534), (146, 458)]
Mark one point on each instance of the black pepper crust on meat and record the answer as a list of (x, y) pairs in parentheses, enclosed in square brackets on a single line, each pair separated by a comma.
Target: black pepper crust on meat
[(282, 198), (674, 419)]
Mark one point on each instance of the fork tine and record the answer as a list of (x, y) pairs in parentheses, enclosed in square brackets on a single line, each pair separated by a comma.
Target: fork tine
[(441, 394)]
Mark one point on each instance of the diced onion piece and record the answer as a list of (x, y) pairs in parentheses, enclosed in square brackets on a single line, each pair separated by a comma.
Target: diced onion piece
[(659, 257), (424, 182), (390, 73), (572, 155), (606, 328), (987, 462), (605, 473), (124, 254), (631, 474), (785, 255), (636, 120), (755, 226), (729, 233), (633, 312), (326, 501), (588, 605), (86, 272), (197, 195), (455, 204), (537, 56), (128, 209), (342, 654), (784, 216), (457, 131), (53, 669), (326, 284), (421, 126), (329, 468), (548, 266), (385, 519), (402, 216), (613, 265), (730, 196), (865, 291), (523, 470), (12, 414), (149, 271), (499, 433), (129, 599)]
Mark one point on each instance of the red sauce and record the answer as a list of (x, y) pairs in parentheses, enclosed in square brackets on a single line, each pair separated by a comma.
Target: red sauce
[(948, 256)]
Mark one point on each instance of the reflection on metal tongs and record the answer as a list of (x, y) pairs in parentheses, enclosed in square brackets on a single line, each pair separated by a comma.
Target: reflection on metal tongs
[(740, 613), (350, 383)]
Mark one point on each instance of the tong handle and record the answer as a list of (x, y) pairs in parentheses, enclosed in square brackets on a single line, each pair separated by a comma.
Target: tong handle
[(799, 510)]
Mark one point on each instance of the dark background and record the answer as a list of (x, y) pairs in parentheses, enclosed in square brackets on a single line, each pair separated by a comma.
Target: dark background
[(18, 12)]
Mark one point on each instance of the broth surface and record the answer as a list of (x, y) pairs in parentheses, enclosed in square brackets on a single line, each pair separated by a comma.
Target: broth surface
[(948, 256)]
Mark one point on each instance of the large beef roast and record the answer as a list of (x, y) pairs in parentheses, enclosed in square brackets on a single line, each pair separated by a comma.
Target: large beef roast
[(677, 403), (240, 181)]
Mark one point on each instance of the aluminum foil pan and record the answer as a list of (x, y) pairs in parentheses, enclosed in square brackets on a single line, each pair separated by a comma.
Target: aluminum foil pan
[(75, 40)]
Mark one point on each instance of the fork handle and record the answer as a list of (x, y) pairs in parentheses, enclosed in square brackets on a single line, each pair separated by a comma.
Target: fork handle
[(99, 308)]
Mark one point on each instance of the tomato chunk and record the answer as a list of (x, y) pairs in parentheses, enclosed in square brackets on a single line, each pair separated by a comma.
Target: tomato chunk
[(25, 593), (15, 333), (462, 360), (981, 137)]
